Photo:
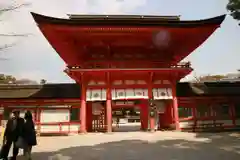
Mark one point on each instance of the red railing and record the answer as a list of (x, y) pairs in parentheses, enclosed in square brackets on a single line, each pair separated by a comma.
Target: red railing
[(60, 125), (182, 65)]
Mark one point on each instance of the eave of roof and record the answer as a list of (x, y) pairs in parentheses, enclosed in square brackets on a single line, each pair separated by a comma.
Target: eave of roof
[(125, 20)]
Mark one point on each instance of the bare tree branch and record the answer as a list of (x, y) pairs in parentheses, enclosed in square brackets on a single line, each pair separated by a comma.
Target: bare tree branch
[(13, 35), (11, 8), (5, 10), (6, 46), (3, 59)]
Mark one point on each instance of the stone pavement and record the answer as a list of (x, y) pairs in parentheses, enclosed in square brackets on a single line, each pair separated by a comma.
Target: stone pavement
[(140, 146)]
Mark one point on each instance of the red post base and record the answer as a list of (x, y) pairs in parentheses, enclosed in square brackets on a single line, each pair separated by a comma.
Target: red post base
[(152, 124), (83, 117), (144, 115), (109, 115), (176, 117), (89, 117)]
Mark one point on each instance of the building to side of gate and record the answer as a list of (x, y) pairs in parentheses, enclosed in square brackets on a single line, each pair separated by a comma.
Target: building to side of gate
[(56, 106)]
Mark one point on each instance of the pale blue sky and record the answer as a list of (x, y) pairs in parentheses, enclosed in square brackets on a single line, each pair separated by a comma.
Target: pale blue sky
[(34, 58)]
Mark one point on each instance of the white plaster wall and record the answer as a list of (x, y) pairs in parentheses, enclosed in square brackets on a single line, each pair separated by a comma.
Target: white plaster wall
[(225, 122), (71, 128), (56, 128), (55, 116), (51, 116), (186, 124)]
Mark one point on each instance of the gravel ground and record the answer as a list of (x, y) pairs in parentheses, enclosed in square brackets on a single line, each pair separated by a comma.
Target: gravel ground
[(139, 146)]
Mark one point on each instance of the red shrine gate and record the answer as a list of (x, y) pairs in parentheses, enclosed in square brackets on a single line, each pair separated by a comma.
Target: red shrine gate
[(114, 88), (119, 58)]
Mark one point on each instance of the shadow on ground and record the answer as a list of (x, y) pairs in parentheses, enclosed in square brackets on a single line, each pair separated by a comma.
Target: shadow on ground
[(214, 147), (126, 128)]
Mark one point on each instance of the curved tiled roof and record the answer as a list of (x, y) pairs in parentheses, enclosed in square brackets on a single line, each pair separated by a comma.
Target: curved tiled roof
[(129, 20)]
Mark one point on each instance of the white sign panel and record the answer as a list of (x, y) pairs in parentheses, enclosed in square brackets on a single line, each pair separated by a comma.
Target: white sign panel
[(129, 94), (162, 93), (96, 95)]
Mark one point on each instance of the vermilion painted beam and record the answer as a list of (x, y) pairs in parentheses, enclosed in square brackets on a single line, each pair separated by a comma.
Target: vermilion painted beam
[(136, 70), (180, 72), (74, 101)]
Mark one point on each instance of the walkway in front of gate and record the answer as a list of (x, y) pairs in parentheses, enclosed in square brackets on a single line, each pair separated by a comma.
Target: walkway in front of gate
[(140, 146)]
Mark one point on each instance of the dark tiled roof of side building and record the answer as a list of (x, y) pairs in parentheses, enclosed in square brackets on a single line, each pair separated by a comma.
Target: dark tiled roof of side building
[(208, 89), (72, 90), (47, 91)]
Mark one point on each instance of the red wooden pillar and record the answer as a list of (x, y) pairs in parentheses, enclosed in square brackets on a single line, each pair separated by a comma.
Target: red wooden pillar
[(38, 119), (175, 107), (109, 115), (109, 105), (167, 116), (36, 114), (89, 117), (83, 109), (233, 114), (105, 116), (141, 116), (150, 96), (152, 123), (194, 111), (144, 114), (212, 112)]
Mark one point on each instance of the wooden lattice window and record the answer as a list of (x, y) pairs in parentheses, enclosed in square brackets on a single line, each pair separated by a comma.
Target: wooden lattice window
[(237, 110), (184, 112), (74, 114), (221, 111), (203, 111)]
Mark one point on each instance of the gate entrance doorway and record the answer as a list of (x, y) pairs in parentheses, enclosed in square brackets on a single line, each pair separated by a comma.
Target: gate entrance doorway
[(126, 116), (162, 114), (130, 115), (96, 116), (98, 123)]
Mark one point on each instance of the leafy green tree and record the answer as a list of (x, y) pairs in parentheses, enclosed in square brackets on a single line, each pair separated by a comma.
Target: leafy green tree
[(234, 8), (208, 78), (43, 81), (7, 79)]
